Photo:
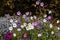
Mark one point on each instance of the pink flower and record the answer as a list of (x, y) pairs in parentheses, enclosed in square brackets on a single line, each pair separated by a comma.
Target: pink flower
[(27, 13), (18, 13), (24, 35), (41, 4), (37, 2), (49, 17), (35, 23)]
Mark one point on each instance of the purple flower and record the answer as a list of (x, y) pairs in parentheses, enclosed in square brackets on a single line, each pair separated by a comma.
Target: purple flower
[(49, 17), (18, 23), (18, 13), (35, 23), (27, 13), (34, 17), (24, 35), (37, 2), (8, 35), (42, 4)]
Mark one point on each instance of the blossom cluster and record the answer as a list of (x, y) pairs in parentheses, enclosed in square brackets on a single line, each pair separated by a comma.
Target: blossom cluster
[(25, 23)]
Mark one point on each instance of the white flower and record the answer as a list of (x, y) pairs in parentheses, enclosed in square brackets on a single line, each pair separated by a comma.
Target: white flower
[(10, 28), (39, 35), (31, 18), (50, 11), (11, 20), (16, 21), (14, 34), (29, 24), (45, 15), (44, 20), (58, 21), (22, 26), (24, 16), (31, 27), (18, 29), (58, 28), (51, 25), (14, 25), (52, 32), (27, 28)]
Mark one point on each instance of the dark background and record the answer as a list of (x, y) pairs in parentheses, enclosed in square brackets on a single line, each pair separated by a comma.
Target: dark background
[(12, 6)]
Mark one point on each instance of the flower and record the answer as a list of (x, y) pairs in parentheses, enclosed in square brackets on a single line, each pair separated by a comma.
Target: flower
[(24, 16), (8, 35), (18, 23), (10, 28), (52, 32), (51, 25), (27, 13), (14, 25), (50, 11), (49, 17), (15, 21), (45, 15), (34, 17), (22, 26), (42, 4), (31, 27), (44, 20), (18, 29), (35, 23), (58, 21), (39, 35), (11, 20), (31, 18), (29, 24), (27, 28), (37, 2), (58, 28), (24, 35), (18, 13), (14, 34)]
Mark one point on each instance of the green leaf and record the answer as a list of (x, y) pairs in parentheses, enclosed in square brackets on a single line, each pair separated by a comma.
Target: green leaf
[(13, 38)]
